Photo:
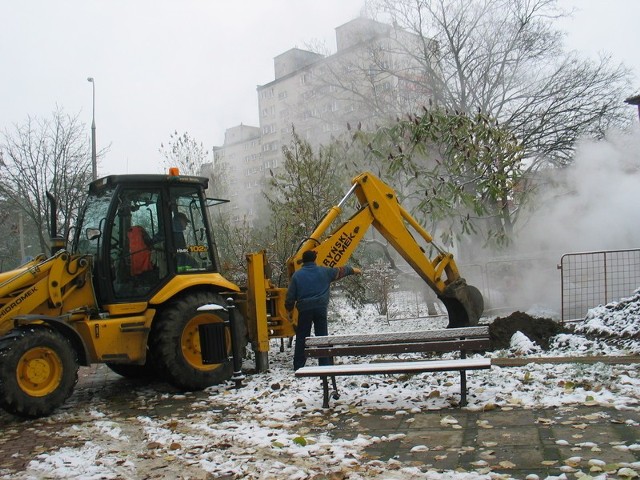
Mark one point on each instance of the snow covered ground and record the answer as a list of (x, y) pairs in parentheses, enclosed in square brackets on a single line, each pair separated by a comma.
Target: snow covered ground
[(274, 427)]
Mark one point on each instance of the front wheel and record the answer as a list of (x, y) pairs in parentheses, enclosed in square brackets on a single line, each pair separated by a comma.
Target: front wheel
[(175, 342), (38, 371)]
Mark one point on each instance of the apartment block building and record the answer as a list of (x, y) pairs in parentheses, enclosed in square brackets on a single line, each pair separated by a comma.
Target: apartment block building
[(366, 81), (239, 161)]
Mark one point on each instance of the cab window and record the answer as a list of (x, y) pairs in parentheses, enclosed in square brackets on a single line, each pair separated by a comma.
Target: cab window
[(191, 250), (138, 260)]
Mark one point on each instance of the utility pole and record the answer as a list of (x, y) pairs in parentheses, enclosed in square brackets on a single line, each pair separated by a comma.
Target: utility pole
[(94, 163)]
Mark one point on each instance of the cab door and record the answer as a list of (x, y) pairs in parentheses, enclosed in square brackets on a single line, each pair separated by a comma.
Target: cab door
[(190, 246), (139, 265)]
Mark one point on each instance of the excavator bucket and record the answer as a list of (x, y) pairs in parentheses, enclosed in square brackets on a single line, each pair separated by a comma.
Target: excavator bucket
[(464, 304)]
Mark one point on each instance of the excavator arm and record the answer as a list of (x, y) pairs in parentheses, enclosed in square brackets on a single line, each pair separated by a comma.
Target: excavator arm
[(263, 304), (379, 207)]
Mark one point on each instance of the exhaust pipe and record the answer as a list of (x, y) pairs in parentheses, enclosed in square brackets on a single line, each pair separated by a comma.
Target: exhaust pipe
[(57, 242)]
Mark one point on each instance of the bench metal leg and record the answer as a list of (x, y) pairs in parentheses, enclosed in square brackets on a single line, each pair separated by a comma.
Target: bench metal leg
[(463, 382), (463, 388), (335, 395), (325, 392)]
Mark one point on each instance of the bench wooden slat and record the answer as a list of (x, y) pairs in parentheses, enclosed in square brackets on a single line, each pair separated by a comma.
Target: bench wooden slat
[(394, 367), (422, 347), (422, 341), (399, 337)]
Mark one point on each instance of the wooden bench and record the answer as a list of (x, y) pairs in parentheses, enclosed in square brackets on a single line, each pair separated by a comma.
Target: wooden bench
[(424, 341)]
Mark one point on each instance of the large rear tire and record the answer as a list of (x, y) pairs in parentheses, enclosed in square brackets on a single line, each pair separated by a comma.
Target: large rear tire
[(175, 342), (38, 371)]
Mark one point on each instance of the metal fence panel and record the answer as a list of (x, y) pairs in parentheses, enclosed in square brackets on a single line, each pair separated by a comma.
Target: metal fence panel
[(590, 279)]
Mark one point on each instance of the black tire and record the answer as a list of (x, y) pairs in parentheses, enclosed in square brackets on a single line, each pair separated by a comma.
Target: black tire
[(38, 371), (175, 343)]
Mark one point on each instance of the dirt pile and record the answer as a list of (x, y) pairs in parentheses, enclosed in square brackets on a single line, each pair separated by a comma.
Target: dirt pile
[(538, 330)]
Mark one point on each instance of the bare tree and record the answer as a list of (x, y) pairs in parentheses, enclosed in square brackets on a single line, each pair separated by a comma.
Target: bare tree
[(10, 240), (361, 84), (299, 198), (184, 152), (506, 59), (234, 239), (46, 155)]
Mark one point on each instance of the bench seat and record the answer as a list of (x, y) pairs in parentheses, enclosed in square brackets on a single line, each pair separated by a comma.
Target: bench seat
[(395, 367)]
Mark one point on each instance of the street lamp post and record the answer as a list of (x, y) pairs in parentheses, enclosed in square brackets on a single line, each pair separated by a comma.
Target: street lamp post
[(94, 163)]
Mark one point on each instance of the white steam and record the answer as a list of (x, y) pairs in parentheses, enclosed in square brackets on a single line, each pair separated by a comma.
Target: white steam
[(593, 205)]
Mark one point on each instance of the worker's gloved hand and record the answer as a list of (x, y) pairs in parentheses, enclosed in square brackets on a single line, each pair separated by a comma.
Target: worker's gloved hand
[(356, 271)]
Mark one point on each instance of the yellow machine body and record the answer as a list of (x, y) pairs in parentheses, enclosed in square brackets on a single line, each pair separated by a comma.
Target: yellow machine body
[(146, 298)]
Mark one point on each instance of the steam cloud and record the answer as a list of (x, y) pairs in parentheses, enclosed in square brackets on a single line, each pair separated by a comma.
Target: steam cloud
[(595, 203), (592, 205)]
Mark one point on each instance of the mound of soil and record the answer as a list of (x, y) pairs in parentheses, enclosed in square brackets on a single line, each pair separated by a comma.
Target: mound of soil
[(538, 330)]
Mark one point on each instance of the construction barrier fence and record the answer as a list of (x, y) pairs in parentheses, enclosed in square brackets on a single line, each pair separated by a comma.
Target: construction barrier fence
[(590, 279)]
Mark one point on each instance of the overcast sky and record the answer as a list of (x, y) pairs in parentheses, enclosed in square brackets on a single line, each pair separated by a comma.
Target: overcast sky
[(193, 65)]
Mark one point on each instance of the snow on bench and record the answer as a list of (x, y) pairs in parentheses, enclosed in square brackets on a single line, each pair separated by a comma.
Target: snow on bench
[(443, 340)]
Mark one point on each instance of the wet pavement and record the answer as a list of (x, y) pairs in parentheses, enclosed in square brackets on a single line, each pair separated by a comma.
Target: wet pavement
[(516, 442)]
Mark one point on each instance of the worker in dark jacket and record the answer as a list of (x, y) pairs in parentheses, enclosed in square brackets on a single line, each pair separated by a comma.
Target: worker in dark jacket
[(309, 293)]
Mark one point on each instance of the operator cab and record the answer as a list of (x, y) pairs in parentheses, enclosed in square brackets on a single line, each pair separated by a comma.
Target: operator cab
[(143, 230)]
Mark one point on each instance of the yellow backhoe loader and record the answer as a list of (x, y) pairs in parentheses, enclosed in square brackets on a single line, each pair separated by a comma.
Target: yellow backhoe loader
[(139, 289)]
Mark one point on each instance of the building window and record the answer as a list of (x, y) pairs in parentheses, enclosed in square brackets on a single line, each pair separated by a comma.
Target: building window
[(267, 129), (268, 111), (266, 93), (270, 146)]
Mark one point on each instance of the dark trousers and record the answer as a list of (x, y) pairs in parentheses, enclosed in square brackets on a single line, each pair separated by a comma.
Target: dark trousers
[(318, 318)]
